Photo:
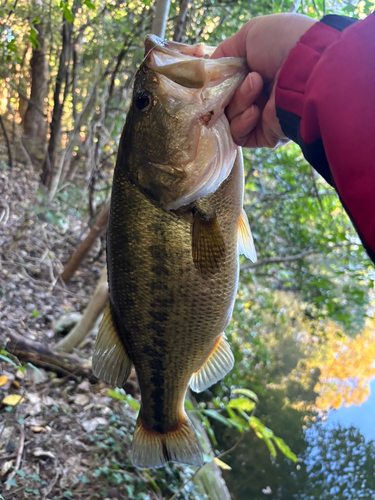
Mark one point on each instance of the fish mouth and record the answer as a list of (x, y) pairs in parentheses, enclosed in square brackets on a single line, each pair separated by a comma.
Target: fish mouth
[(190, 65), (194, 89), (198, 50)]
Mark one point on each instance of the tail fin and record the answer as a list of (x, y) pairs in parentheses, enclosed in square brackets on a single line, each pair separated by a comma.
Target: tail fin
[(153, 449)]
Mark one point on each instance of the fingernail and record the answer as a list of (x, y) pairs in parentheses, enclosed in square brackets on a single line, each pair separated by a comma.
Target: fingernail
[(247, 85), (248, 113)]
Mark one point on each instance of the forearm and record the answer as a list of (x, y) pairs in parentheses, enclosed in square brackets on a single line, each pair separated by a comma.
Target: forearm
[(325, 98)]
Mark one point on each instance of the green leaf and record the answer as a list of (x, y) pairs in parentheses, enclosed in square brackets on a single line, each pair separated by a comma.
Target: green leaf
[(34, 476), (189, 405), (152, 481), (217, 416), (30, 365), (284, 448), (34, 38), (83, 479), (132, 402), (35, 313), (68, 14), (241, 404), (270, 446), (246, 392), (89, 4), (4, 358), (238, 422), (11, 482), (116, 395)]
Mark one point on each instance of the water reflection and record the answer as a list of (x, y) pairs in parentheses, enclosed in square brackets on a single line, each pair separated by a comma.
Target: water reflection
[(362, 417), (340, 464), (302, 369)]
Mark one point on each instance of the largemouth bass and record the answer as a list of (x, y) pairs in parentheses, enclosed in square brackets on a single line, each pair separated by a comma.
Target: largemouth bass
[(175, 231)]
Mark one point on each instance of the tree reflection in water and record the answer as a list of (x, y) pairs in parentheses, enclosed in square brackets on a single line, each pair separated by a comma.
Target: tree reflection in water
[(340, 464)]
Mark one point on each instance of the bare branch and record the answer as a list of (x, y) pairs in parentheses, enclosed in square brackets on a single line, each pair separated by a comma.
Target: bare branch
[(279, 260)]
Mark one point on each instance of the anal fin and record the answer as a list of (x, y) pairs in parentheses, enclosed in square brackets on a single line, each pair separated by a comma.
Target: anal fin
[(154, 449), (217, 365), (110, 361), (207, 244), (245, 238)]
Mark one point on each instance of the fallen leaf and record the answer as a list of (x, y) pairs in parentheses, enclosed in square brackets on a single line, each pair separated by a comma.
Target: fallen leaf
[(81, 399), (84, 386), (39, 452), (3, 380), (38, 429), (33, 397), (16, 384), (91, 425), (20, 375), (221, 464), (48, 401), (12, 400), (6, 467)]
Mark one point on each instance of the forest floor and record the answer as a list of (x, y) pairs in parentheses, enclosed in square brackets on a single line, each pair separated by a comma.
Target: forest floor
[(59, 437)]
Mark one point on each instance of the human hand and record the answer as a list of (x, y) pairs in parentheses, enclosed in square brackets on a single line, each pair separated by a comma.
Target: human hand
[(265, 42)]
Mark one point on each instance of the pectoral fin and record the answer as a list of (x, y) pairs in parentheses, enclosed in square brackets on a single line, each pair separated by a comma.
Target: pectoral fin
[(218, 364), (110, 361), (207, 244), (245, 238)]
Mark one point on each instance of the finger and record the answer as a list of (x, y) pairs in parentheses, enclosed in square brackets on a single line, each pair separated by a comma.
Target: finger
[(245, 95), (242, 125)]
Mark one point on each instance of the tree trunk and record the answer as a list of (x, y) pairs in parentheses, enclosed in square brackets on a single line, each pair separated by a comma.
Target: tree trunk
[(209, 480), (181, 21), (87, 322), (10, 157), (161, 16), (97, 230), (34, 122), (62, 80)]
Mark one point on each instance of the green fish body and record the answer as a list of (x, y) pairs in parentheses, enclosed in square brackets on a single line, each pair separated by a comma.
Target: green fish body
[(173, 273)]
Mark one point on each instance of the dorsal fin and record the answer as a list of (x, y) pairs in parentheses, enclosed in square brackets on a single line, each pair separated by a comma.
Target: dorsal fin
[(110, 361), (217, 365), (245, 238)]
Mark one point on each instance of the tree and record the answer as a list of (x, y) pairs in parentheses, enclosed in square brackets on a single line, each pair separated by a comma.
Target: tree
[(34, 121)]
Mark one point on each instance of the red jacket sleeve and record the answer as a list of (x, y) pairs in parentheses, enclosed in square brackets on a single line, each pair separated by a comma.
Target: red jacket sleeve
[(325, 99)]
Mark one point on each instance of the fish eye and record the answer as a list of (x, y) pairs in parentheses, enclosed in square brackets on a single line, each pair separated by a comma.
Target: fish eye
[(142, 100)]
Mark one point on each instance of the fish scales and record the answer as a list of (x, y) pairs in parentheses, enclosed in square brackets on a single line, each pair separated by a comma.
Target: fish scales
[(175, 230), (176, 312)]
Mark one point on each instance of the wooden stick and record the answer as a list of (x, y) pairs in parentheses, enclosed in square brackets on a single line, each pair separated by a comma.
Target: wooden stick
[(96, 306), (97, 230), (39, 355), (18, 461)]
